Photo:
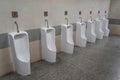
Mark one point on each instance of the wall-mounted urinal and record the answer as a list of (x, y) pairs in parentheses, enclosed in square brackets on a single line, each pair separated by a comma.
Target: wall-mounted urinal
[(20, 55), (81, 39), (90, 31), (105, 27), (98, 29), (48, 44), (67, 44)]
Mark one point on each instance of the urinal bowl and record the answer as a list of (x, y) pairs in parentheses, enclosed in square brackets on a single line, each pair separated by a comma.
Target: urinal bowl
[(19, 52), (82, 42), (48, 44), (105, 27), (69, 49), (52, 56), (23, 68), (106, 34), (90, 32), (67, 44), (98, 29), (81, 39)]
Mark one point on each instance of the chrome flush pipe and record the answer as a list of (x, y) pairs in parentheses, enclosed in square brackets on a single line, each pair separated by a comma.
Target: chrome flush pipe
[(80, 19), (91, 18), (47, 23), (17, 26), (66, 20), (105, 16)]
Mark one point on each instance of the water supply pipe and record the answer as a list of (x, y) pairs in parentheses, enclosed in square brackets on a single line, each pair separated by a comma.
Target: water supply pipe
[(17, 27)]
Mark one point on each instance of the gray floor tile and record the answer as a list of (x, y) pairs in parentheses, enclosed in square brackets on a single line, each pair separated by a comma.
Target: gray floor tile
[(99, 61)]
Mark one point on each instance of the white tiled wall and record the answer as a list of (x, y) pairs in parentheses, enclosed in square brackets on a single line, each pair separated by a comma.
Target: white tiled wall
[(31, 12)]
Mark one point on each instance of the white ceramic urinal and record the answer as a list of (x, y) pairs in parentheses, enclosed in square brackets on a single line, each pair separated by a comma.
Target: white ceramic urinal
[(81, 39), (48, 44), (90, 32), (20, 55), (67, 44), (98, 28), (105, 27)]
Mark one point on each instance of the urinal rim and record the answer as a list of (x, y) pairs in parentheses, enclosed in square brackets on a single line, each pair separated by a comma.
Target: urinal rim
[(66, 25), (89, 21), (16, 33), (97, 19), (45, 28), (81, 23), (13, 34)]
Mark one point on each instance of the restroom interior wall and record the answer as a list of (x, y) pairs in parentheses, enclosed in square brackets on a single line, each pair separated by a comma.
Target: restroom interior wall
[(115, 9), (31, 16), (31, 12), (115, 15)]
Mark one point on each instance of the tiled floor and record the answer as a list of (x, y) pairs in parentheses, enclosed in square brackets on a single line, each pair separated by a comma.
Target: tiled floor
[(99, 61)]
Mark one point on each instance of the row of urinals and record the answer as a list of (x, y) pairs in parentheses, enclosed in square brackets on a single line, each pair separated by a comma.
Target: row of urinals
[(85, 32)]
